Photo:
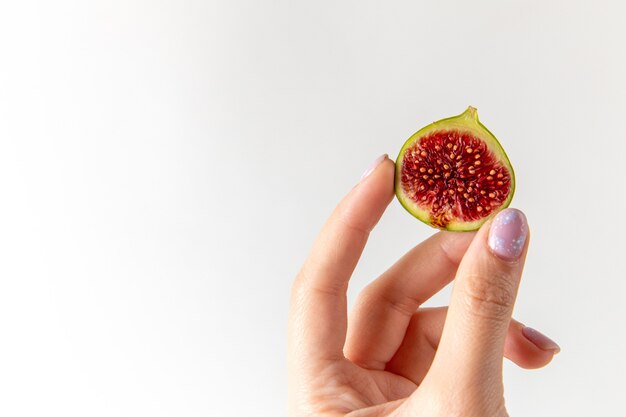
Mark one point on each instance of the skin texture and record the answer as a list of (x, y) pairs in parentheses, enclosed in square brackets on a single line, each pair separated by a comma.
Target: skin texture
[(393, 358)]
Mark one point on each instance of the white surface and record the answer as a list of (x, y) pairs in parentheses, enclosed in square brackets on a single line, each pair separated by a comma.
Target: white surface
[(165, 165)]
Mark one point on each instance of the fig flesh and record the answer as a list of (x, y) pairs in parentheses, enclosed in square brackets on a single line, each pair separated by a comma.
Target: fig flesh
[(453, 174)]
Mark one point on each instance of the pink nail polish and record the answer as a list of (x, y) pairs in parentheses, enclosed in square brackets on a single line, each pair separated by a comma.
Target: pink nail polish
[(508, 233), (540, 340), (372, 167)]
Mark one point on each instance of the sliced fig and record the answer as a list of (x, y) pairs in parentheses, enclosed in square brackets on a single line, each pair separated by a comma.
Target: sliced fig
[(453, 174)]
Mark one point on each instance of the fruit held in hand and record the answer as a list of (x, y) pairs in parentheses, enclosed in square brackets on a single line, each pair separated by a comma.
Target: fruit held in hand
[(453, 174)]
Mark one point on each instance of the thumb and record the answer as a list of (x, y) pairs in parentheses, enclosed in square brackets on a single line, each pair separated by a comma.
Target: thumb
[(472, 343)]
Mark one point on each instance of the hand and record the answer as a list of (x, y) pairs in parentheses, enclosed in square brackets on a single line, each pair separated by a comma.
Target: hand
[(393, 358)]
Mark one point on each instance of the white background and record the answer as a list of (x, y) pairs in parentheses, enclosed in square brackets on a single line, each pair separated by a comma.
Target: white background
[(165, 165)]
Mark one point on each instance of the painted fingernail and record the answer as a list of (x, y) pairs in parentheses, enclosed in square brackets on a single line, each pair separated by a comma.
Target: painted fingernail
[(372, 167), (508, 234), (540, 340)]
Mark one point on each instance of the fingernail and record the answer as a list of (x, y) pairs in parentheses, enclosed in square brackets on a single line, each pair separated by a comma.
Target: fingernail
[(372, 167), (540, 340), (508, 234)]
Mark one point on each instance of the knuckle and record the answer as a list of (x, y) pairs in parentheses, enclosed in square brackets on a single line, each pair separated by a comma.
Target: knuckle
[(385, 297), (315, 285), (298, 287), (369, 295), (296, 292), (489, 296)]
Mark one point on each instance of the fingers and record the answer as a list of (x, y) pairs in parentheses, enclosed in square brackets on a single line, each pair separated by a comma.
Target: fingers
[(381, 314), (482, 302), (528, 348), (415, 355), (317, 325)]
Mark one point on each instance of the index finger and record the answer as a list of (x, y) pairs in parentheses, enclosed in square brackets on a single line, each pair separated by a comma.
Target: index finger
[(318, 316)]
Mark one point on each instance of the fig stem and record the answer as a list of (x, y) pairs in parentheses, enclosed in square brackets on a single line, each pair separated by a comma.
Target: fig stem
[(471, 113)]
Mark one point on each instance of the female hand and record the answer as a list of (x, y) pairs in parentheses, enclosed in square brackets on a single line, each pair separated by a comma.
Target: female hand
[(393, 358)]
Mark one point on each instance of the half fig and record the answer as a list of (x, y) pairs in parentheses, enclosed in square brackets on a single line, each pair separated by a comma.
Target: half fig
[(453, 174)]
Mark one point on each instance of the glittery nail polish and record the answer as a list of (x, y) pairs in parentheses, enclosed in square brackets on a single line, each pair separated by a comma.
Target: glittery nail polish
[(508, 233)]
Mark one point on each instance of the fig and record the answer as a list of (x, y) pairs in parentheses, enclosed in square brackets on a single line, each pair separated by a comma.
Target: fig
[(453, 174)]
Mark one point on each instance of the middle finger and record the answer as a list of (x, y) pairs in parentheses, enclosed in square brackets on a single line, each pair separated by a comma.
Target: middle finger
[(384, 308)]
